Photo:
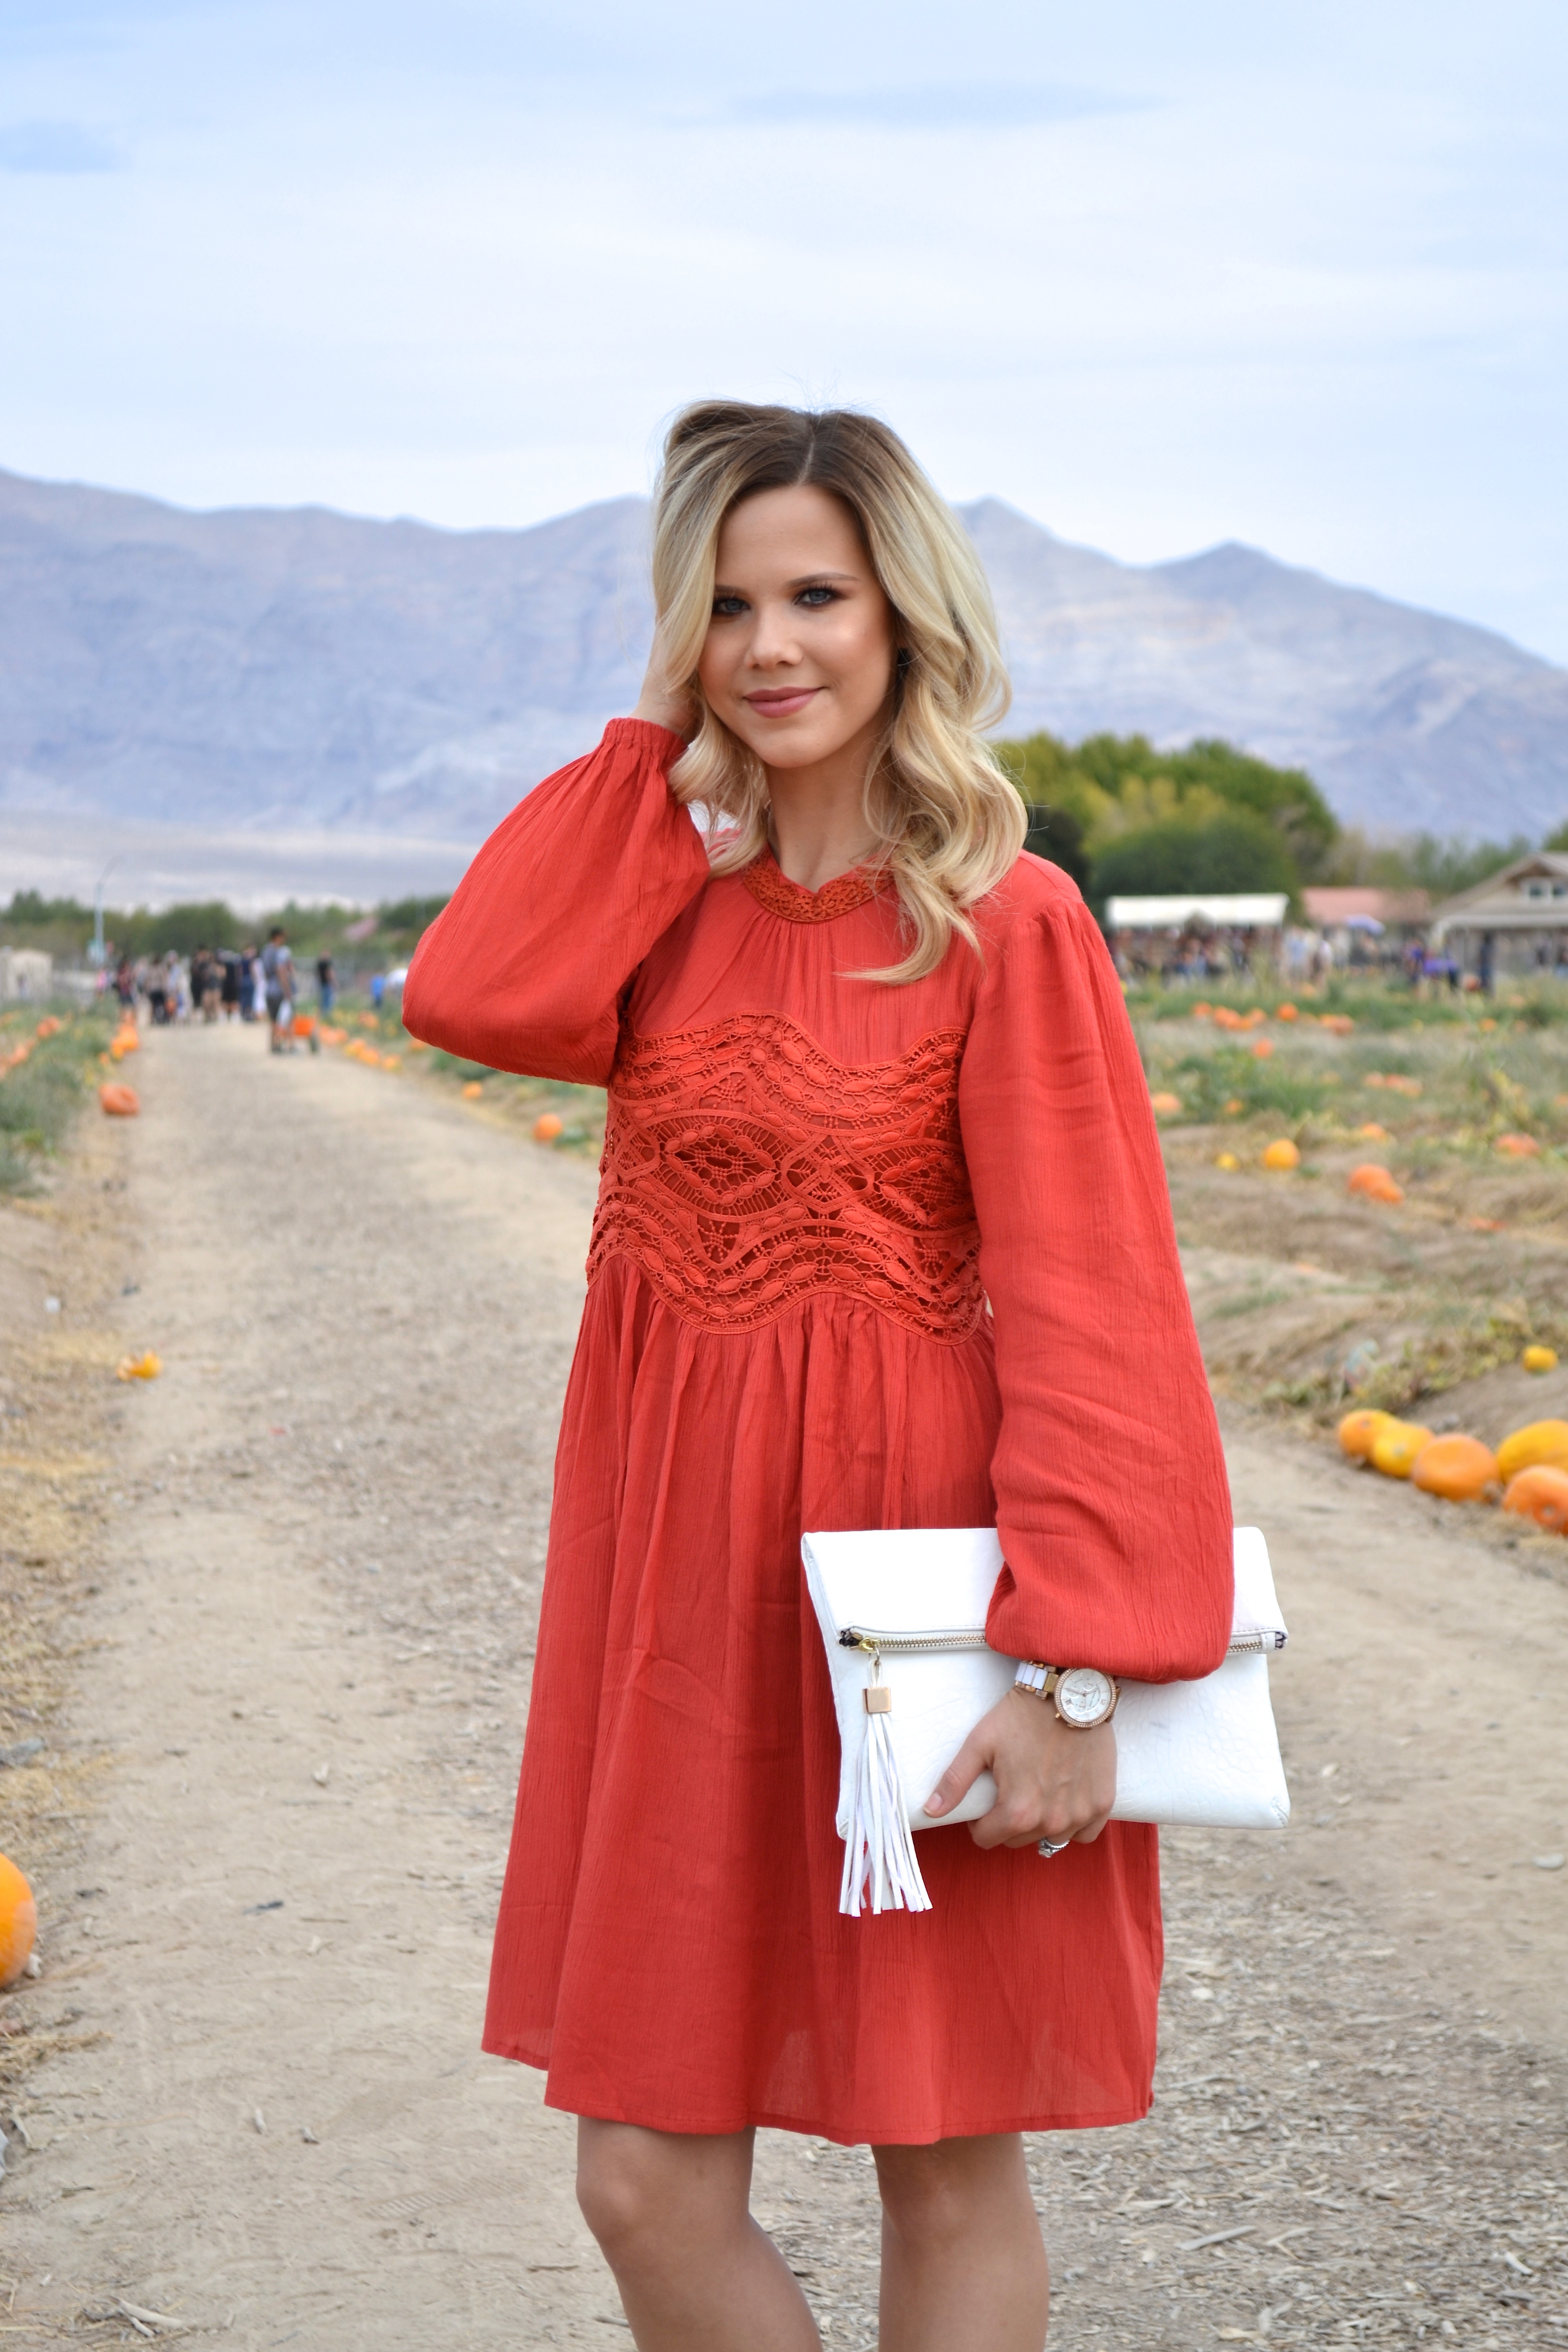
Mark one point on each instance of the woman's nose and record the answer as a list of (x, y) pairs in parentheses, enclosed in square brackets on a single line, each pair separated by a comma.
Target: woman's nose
[(774, 643)]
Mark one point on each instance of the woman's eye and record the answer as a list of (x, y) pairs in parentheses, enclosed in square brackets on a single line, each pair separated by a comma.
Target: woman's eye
[(814, 598), (726, 607)]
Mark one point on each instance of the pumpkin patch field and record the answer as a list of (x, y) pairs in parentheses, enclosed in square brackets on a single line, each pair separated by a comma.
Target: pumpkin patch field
[(1358, 1222)]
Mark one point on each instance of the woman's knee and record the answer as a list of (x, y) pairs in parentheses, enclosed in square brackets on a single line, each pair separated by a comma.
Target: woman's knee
[(638, 2188), (932, 2196), (619, 2190)]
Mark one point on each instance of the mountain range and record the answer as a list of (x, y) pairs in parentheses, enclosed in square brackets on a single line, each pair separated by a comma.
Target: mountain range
[(258, 669)]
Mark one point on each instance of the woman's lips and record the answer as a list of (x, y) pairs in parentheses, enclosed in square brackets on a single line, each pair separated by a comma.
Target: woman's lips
[(782, 703)]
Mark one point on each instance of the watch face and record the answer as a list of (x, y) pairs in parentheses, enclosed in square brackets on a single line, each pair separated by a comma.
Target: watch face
[(1084, 1695)]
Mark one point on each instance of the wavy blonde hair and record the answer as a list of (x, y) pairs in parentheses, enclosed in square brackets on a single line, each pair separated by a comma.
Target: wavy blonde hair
[(946, 821)]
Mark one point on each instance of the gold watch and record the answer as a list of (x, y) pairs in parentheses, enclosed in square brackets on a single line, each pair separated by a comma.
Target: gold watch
[(1083, 1697)]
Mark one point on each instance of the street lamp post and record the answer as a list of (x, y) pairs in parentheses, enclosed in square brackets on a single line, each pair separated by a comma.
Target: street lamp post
[(97, 949)]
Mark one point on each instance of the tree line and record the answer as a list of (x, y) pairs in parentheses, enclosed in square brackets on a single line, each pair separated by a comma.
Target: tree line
[(65, 927), (1126, 820)]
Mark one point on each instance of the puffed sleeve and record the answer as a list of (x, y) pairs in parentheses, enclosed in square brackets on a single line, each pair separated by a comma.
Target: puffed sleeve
[(1113, 1503), (523, 969)]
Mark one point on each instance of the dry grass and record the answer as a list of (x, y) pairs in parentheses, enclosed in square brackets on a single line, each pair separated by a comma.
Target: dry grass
[(57, 1411)]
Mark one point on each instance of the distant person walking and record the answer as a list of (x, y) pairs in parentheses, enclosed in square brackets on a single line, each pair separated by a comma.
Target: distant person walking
[(158, 991), (1486, 963), (326, 985), (206, 983), (230, 982), (277, 975)]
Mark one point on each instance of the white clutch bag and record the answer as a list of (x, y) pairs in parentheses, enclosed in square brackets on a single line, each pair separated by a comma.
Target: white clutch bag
[(905, 1609)]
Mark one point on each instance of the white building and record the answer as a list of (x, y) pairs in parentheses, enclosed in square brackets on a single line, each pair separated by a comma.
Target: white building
[(1522, 909)]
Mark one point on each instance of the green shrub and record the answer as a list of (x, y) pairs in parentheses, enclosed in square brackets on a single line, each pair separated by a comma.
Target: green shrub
[(1234, 852)]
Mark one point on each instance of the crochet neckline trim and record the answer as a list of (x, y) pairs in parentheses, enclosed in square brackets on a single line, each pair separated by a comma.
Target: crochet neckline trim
[(772, 888)]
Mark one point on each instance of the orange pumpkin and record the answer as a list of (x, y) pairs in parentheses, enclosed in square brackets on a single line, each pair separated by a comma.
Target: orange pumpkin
[(1360, 1430), (473, 1090), (1396, 1447), (1338, 1024), (1165, 1103), (18, 1922), (1374, 1183), (1281, 1153), (1261, 1048), (1541, 1494), (120, 1102), (1286, 1012), (49, 1027), (1519, 1146), (546, 1127), (1539, 1442), (1460, 1469)]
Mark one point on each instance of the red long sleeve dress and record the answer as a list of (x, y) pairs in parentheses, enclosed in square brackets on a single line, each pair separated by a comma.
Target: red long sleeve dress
[(863, 1256)]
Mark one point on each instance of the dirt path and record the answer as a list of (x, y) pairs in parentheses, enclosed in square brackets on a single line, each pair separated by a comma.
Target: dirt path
[(316, 1620)]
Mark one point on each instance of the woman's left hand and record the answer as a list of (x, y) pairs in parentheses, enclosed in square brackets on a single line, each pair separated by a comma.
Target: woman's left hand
[(1051, 1781)]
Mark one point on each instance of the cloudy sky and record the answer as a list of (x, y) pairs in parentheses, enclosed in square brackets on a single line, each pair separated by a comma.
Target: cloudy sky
[(1160, 276)]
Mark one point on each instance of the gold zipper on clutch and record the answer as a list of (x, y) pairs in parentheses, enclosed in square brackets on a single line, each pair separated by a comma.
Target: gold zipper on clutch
[(860, 1637)]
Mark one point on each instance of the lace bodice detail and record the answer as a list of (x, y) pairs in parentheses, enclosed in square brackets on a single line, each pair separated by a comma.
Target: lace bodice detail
[(744, 1168), (772, 888)]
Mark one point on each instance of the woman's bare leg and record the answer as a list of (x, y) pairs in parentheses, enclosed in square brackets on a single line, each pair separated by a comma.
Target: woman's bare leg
[(672, 2214), (964, 2264)]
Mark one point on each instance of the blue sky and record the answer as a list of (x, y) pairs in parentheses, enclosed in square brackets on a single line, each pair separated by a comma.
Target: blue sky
[(1159, 275)]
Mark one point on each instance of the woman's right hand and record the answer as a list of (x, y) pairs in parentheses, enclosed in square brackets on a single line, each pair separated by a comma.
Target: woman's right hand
[(1052, 1781), (662, 702)]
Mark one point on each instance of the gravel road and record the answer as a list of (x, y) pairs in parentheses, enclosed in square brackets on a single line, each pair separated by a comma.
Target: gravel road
[(301, 1671)]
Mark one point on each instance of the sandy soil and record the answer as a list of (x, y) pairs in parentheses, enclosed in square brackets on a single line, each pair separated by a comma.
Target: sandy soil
[(282, 1775)]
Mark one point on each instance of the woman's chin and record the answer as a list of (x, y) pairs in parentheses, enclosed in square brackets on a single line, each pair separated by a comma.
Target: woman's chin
[(791, 743)]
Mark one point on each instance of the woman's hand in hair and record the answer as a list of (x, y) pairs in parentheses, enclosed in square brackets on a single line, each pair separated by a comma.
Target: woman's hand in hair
[(662, 702), (1051, 1780)]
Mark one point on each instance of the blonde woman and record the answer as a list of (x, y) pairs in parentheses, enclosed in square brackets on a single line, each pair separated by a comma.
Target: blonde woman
[(882, 1240)]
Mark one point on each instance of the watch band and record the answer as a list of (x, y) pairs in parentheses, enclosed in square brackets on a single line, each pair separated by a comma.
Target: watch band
[(1031, 1676)]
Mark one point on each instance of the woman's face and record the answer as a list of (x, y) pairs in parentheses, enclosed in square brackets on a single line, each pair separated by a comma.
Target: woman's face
[(799, 655)]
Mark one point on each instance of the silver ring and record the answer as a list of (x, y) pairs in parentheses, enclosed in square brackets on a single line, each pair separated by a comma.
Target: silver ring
[(1046, 1847)]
